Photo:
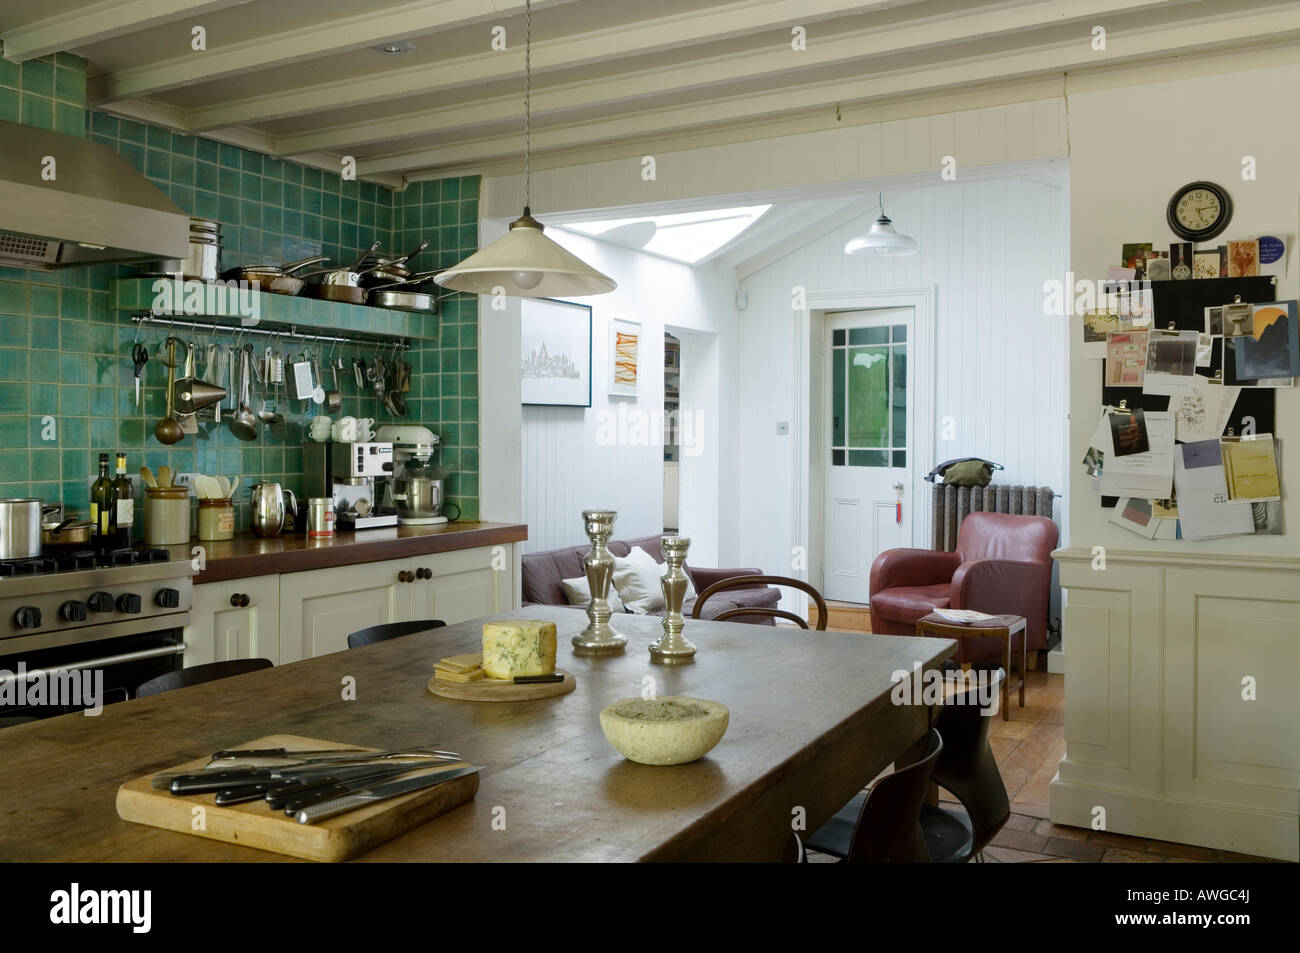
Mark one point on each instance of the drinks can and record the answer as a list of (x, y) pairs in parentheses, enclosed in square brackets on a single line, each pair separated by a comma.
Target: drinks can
[(320, 517)]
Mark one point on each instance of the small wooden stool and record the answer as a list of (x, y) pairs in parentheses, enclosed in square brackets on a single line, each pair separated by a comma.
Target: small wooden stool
[(998, 627)]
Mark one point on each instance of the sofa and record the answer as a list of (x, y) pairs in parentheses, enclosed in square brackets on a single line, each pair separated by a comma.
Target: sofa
[(543, 572), (1002, 564)]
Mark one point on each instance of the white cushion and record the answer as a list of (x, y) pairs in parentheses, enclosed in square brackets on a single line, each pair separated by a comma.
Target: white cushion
[(579, 594), (636, 577)]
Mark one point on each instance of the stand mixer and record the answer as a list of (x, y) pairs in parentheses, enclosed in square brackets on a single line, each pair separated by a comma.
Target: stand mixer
[(415, 490)]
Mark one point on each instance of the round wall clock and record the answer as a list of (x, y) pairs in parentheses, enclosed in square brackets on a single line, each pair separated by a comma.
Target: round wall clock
[(1199, 211)]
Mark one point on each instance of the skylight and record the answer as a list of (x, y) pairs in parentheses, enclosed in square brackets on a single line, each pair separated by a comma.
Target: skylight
[(686, 237)]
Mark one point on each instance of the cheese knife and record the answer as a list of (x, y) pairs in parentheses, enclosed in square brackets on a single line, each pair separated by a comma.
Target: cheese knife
[(351, 801)]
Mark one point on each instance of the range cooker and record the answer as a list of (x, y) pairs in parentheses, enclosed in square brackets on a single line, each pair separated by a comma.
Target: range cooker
[(120, 612)]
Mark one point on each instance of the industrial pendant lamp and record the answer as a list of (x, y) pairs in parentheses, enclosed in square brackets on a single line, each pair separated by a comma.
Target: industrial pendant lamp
[(881, 239), (524, 262)]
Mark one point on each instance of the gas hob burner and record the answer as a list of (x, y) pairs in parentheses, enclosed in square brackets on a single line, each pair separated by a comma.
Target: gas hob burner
[(27, 567), (81, 559), (70, 562)]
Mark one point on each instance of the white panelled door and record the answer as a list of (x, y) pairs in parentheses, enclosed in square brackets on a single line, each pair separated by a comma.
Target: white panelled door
[(868, 426)]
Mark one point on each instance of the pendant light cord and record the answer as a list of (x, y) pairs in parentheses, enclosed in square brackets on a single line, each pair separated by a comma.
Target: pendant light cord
[(528, 89)]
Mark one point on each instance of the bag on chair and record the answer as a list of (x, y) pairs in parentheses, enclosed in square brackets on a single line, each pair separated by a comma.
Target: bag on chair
[(965, 471)]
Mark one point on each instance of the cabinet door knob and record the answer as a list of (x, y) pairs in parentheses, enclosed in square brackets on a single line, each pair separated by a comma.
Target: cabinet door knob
[(405, 576), (424, 573), (239, 600)]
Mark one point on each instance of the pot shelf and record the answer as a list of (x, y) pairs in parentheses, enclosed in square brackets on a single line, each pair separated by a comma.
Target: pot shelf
[(139, 294)]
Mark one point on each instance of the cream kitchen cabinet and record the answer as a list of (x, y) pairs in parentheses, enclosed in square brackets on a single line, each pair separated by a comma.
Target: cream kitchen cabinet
[(239, 618), (320, 608), (457, 586), (299, 615)]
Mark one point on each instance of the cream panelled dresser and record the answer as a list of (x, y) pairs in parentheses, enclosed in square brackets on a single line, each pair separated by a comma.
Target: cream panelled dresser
[(1182, 699)]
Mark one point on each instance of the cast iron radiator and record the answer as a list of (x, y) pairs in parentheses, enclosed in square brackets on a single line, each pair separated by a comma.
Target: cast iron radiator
[(952, 503)]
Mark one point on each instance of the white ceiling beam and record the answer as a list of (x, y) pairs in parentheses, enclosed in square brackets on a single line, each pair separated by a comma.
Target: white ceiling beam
[(1121, 49), (600, 46), (682, 79), (314, 40), (101, 21)]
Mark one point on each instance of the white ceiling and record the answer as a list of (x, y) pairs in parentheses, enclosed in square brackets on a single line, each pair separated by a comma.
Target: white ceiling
[(298, 78)]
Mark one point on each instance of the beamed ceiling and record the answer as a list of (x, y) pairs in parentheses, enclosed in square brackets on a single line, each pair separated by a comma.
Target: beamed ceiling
[(301, 79)]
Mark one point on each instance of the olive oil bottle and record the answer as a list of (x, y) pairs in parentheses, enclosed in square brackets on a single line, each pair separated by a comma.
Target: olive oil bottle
[(123, 506), (102, 506)]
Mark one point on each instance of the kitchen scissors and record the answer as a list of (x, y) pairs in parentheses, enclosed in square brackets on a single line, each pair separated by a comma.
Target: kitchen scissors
[(139, 357)]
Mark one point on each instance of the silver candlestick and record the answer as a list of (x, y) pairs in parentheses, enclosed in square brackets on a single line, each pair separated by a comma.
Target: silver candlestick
[(672, 648), (599, 637)]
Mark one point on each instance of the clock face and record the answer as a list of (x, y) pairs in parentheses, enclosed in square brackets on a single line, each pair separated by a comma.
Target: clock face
[(1199, 211)]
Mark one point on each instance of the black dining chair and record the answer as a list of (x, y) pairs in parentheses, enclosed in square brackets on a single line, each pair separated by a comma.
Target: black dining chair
[(391, 630), (883, 824), (749, 582), (199, 674), (968, 770)]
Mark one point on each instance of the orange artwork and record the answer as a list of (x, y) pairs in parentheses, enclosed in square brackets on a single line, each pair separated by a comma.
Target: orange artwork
[(625, 358), (1243, 259)]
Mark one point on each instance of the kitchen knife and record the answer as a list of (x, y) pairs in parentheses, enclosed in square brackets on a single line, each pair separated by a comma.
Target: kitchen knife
[(349, 802), (245, 753), (205, 782), (296, 803), (278, 794)]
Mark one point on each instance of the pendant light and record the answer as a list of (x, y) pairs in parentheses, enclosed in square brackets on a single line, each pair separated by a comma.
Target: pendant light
[(881, 239), (524, 262)]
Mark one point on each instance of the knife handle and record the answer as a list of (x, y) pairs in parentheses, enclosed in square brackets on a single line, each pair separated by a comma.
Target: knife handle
[(244, 793), (538, 679), (210, 781), (318, 794), (236, 753)]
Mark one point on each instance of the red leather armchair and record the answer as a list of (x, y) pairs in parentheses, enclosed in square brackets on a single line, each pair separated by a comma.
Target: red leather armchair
[(1003, 563)]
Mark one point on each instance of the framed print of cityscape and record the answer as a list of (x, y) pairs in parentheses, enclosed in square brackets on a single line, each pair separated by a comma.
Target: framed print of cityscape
[(555, 362)]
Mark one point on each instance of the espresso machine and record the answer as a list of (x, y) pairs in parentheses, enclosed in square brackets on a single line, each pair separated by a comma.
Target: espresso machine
[(415, 491), (354, 476)]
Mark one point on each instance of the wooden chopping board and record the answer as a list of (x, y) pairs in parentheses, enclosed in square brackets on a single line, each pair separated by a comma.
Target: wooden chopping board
[(255, 825), (491, 690)]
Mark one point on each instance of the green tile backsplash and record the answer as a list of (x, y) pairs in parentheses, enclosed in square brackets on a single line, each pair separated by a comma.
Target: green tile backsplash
[(65, 336)]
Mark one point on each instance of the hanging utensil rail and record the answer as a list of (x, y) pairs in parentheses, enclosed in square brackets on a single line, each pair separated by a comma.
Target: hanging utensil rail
[(269, 329)]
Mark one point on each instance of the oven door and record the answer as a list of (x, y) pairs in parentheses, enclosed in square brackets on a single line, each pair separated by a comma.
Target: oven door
[(68, 678)]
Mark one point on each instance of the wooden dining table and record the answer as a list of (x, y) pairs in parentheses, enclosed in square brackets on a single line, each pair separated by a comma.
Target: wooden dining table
[(812, 721)]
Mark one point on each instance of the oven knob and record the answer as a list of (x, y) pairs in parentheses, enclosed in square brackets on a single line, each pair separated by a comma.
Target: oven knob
[(28, 617), (100, 602), (168, 598), (73, 611), (128, 602)]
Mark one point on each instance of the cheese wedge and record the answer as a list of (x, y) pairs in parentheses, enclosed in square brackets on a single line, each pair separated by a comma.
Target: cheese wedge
[(444, 675), (518, 647), (461, 663)]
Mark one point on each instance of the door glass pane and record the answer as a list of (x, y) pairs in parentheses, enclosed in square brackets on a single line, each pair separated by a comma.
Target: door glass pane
[(878, 335), (900, 459), (837, 337), (900, 333), (898, 403), (868, 458), (868, 396), (837, 396), (837, 458)]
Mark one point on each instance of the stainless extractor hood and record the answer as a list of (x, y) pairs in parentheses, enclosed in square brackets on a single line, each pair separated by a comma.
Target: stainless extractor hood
[(95, 208)]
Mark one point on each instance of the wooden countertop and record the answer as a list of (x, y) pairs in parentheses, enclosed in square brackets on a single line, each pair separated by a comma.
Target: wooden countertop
[(811, 723), (248, 555)]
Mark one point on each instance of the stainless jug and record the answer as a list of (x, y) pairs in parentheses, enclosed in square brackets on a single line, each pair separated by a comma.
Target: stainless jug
[(267, 508)]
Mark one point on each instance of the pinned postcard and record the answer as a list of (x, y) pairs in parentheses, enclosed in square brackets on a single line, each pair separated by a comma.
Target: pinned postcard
[(1271, 348), (1158, 267), (1250, 468), (1203, 411), (1273, 254), (1096, 325), (1136, 309), (1204, 510), (1204, 350), (1136, 516), (1128, 432), (1180, 260), (1126, 358), (1243, 259), (1205, 264), (1171, 362), (1147, 476)]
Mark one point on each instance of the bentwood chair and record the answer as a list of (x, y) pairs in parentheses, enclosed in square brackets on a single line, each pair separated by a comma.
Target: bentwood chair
[(748, 582), (391, 630), (883, 824), (967, 770), (199, 674)]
